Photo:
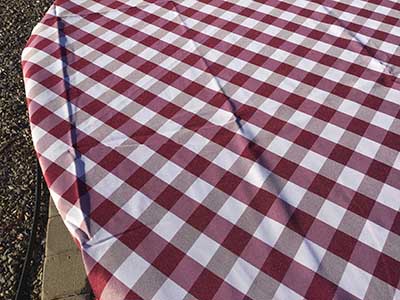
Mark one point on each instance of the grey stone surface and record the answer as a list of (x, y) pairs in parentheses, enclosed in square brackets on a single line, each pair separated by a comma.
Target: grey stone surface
[(53, 212), (64, 276), (58, 238)]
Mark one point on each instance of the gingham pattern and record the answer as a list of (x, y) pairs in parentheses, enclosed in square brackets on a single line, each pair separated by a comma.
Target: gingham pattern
[(223, 150)]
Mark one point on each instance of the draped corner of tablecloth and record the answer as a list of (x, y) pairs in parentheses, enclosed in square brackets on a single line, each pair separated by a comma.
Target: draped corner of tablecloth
[(223, 150)]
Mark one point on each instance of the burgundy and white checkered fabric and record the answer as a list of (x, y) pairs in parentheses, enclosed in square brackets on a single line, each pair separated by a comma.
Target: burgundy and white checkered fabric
[(223, 150)]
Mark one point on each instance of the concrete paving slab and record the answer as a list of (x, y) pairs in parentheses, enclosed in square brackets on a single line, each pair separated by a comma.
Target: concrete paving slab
[(52, 209), (58, 238), (64, 276)]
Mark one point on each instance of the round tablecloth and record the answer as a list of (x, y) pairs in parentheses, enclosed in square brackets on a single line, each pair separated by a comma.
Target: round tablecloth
[(223, 150)]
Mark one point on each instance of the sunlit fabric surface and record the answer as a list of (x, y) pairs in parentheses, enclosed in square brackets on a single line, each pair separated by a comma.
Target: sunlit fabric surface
[(223, 150)]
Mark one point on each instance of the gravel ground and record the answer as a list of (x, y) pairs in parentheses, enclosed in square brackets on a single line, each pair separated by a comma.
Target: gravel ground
[(17, 160)]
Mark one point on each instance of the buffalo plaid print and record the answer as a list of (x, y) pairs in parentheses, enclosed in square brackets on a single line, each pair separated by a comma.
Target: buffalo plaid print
[(218, 150)]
